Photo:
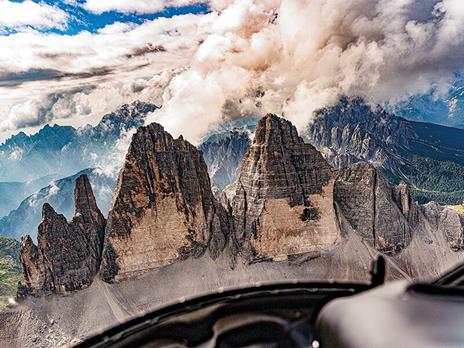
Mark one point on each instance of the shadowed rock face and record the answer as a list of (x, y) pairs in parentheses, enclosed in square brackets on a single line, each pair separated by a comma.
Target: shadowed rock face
[(376, 212), (163, 209), (283, 204), (69, 253)]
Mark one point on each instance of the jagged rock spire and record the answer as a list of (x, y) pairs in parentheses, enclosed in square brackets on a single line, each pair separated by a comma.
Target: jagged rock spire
[(68, 254), (84, 199), (163, 209), (283, 204)]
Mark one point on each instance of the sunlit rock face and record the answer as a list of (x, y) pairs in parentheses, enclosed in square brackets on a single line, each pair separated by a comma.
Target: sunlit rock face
[(163, 209), (284, 203), (68, 254)]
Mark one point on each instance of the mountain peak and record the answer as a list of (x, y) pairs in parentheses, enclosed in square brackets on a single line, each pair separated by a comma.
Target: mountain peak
[(84, 199), (283, 190), (127, 116), (68, 254), (48, 212), (163, 210), (274, 129)]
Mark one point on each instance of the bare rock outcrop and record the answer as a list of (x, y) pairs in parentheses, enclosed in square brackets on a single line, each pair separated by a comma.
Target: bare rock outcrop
[(68, 254), (442, 220), (283, 204), (163, 209), (372, 208)]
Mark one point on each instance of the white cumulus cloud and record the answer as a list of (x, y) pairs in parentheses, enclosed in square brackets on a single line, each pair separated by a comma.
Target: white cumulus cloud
[(303, 54), (29, 14)]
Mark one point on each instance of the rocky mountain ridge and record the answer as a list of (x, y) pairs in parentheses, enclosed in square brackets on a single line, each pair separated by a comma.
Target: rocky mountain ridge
[(428, 157), (68, 254), (63, 150), (288, 203), (293, 218)]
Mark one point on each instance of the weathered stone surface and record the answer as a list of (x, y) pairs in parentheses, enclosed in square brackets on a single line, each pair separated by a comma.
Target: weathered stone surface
[(369, 205), (403, 198), (163, 210), (283, 204), (442, 220), (68, 254)]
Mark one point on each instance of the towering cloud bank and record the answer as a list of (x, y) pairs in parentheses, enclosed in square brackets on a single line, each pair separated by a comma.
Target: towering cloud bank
[(305, 54), (242, 57)]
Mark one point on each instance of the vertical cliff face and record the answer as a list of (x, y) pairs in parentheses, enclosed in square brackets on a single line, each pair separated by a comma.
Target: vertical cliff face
[(163, 208), (372, 208), (283, 204), (68, 254)]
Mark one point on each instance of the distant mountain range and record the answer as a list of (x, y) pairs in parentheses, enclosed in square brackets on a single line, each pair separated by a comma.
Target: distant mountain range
[(63, 150), (428, 157), (447, 111), (12, 193), (224, 149)]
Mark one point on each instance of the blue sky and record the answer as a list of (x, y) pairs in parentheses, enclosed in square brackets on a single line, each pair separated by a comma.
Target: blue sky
[(85, 20), (81, 19)]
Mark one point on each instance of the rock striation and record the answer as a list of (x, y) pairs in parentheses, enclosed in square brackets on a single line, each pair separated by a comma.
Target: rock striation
[(283, 204), (163, 209), (68, 254), (375, 211)]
